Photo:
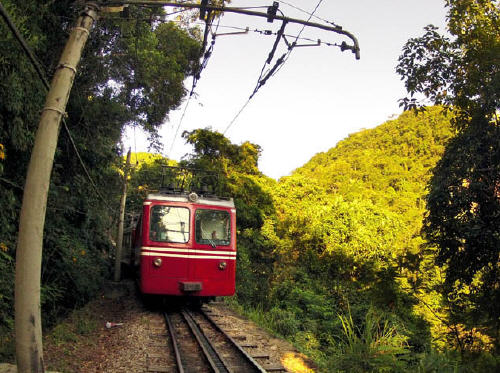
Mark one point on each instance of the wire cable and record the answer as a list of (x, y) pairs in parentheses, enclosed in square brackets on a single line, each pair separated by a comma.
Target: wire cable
[(206, 56), (46, 84), (308, 13), (277, 66), (236, 116), (292, 45), (178, 127)]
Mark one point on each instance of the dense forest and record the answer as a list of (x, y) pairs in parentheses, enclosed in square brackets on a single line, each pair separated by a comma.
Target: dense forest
[(380, 255), (130, 75)]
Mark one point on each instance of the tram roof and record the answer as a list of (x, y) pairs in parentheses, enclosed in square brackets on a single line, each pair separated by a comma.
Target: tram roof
[(185, 197)]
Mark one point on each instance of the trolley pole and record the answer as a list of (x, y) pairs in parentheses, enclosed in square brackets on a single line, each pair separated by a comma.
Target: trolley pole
[(119, 238), (28, 326)]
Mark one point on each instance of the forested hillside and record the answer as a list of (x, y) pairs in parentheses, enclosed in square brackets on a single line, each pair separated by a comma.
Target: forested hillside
[(349, 247)]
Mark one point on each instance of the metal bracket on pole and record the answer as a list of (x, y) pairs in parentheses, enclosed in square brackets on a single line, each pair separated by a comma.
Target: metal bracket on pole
[(271, 12), (57, 110), (90, 10), (234, 33), (83, 29), (295, 45), (67, 66), (203, 9)]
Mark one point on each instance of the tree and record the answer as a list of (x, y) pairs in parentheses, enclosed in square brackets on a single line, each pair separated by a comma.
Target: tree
[(241, 179), (463, 73), (122, 80)]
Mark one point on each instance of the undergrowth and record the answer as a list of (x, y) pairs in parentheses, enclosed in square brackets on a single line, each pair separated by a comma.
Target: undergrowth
[(376, 345)]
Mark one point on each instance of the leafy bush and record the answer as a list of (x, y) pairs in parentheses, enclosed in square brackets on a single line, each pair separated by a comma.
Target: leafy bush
[(377, 346)]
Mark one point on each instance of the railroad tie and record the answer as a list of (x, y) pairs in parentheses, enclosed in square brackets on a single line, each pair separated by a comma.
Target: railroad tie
[(159, 368), (275, 368), (154, 355)]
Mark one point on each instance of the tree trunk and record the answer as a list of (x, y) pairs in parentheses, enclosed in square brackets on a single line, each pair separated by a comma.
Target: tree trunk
[(119, 238), (28, 327)]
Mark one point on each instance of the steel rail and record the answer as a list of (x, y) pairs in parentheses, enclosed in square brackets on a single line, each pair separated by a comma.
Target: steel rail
[(207, 347), (337, 29), (175, 344), (235, 344)]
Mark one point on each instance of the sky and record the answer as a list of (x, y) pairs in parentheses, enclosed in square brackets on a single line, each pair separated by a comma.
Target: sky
[(318, 97)]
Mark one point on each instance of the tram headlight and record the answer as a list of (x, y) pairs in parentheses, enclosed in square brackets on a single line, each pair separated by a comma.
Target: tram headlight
[(222, 266), (157, 262)]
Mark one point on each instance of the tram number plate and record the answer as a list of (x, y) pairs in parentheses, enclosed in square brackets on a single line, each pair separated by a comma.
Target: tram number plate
[(190, 286)]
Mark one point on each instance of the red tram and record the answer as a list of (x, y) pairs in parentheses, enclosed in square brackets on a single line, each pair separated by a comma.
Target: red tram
[(185, 245)]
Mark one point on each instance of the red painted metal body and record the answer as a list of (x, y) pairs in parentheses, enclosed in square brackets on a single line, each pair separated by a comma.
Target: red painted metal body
[(191, 264)]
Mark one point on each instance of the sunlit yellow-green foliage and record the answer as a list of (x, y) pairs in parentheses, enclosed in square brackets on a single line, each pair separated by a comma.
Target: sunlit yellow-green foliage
[(348, 232), (366, 196), (459, 68), (338, 237)]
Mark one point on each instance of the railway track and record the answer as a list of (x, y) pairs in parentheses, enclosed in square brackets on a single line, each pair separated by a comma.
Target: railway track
[(218, 349), (195, 343)]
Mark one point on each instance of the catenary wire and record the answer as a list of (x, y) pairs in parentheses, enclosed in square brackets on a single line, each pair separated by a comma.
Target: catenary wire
[(308, 13), (206, 56), (178, 127), (290, 49), (278, 65)]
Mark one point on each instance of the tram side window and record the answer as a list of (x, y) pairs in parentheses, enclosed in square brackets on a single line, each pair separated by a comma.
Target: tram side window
[(213, 227), (169, 224)]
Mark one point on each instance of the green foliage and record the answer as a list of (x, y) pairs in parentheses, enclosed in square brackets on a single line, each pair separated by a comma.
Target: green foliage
[(462, 72), (463, 221), (80, 323), (131, 73), (214, 152), (375, 347), (348, 232), (145, 177), (464, 203), (341, 236), (241, 179)]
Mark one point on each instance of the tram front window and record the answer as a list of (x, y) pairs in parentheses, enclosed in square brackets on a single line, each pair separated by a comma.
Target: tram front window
[(169, 224), (213, 227)]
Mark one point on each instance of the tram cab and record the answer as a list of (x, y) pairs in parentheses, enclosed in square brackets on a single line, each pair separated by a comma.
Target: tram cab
[(185, 245)]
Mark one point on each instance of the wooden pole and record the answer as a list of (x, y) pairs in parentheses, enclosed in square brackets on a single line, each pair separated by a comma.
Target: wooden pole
[(28, 327), (119, 238)]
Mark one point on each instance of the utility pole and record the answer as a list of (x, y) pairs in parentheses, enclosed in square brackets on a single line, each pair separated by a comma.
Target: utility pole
[(119, 238), (28, 326)]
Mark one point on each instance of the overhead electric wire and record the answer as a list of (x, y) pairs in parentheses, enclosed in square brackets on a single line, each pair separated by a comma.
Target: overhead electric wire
[(206, 53), (206, 56), (281, 61), (178, 127), (262, 32), (46, 84), (236, 116), (308, 13), (292, 45), (277, 66)]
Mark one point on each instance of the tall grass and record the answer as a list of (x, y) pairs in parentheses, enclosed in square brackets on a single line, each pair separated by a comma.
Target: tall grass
[(376, 346)]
